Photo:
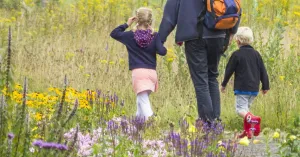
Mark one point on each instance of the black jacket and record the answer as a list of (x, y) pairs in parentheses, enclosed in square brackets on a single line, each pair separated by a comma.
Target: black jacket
[(248, 68)]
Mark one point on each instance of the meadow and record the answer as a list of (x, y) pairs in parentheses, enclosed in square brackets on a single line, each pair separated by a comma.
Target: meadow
[(78, 85)]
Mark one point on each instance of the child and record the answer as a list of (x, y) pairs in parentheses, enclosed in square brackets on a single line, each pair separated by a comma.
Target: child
[(142, 43), (248, 68)]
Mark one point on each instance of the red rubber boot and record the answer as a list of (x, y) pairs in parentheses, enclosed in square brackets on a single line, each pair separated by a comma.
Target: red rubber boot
[(247, 132), (254, 123)]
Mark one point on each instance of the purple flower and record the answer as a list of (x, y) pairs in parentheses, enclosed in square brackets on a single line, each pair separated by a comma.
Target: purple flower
[(10, 136), (49, 145), (38, 143)]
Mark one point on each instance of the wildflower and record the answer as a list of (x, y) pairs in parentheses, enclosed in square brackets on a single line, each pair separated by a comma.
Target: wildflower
[(69, 55), (122, 61), (51, 89), (103, 61), (256, 141), (38, 116), (281, 78), (221, 146), (276, 135), (244, 141), (170, 59), (10, 136), (271, 59), (81, 67), (192, 129), (18, 87), (48, 145), (31, 149), (293, 137), (34, 128), (297, 13), (4, 91)]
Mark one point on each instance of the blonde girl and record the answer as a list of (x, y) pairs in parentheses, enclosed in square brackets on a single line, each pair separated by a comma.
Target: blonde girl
[(142, 44)]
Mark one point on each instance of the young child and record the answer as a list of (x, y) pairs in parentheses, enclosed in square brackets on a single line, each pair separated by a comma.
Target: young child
[(142, 44), (248, 68)]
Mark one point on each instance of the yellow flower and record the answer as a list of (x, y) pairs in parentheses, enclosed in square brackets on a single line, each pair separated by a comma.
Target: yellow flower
[(293, 137), (37, 136), (29, 103), (122, 61), (244, 141), (103, 61), (40, 96), (111, 62), (192, 129), (69, 55), (276, 135), (51, 89), (170, 59), (18, 87), (17, 96), (256, 141), (281, 78), (297, 13), (81, 67), (4, 91), (35, 128), (38, 116), (221, 146)]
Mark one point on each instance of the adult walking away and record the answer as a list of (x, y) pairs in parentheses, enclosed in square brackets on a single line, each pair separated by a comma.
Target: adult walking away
[(203, 48)]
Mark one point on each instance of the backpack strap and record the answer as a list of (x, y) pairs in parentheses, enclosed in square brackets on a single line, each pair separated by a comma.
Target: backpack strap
[(226, 40), (213, 13)]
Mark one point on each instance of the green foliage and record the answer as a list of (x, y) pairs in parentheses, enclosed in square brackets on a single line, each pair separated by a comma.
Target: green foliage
[(290, 146), (10, 4)]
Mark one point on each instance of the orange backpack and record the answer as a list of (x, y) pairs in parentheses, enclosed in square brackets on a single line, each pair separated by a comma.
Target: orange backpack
[(222, 14)]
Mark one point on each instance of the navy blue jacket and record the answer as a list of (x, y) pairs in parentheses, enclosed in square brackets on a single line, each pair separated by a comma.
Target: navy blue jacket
[(249, 70), (139, 57), (184, 14)]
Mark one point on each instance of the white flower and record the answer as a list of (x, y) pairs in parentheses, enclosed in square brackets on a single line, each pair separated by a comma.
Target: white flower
[(31, 149)]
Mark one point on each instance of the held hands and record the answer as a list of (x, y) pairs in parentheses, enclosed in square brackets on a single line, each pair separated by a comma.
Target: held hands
[(223, 89), (131, 20)]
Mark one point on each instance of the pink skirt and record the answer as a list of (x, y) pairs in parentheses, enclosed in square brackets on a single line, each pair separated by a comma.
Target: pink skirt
[(144, 79)]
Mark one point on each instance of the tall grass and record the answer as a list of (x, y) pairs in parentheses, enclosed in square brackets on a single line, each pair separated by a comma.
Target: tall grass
[(72, 38)]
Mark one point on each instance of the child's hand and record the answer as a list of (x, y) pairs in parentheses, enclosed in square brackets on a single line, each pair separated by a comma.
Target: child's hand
[(223, 89), (264, 91), (131, 20)]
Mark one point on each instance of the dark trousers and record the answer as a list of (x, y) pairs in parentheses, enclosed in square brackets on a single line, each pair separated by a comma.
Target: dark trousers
[(203, 56)]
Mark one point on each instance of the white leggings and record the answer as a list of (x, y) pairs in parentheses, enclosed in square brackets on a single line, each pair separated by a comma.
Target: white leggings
[(143, 105)]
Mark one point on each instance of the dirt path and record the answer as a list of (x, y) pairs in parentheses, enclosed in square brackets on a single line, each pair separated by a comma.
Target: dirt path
[(257, 150)]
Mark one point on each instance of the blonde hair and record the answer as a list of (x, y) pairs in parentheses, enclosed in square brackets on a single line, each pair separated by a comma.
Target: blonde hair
[(244, 36), (144, 18)]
